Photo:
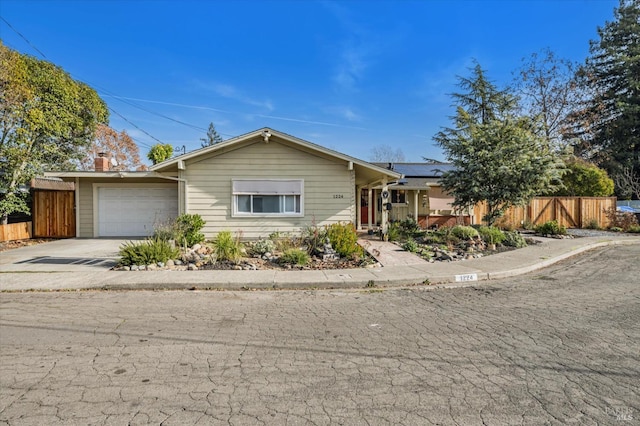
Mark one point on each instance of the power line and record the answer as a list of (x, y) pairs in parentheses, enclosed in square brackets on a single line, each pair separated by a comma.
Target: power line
[(23, 37), (137, 127), (111, 109)]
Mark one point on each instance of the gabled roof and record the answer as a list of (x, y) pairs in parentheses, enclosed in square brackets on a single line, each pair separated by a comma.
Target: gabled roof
[(269, 133)]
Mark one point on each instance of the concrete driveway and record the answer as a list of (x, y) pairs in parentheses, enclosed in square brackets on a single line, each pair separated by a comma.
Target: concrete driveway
[(70, 255)]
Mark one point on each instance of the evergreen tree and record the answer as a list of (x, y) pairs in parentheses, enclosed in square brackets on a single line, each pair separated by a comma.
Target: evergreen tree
[(607, 127), (498, 156), (213, 137)]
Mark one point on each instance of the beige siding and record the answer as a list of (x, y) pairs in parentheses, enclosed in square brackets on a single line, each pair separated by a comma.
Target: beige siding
[(85, 200), (328, 194)]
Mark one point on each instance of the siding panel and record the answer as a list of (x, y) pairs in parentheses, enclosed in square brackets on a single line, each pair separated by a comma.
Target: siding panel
[(210, 188)]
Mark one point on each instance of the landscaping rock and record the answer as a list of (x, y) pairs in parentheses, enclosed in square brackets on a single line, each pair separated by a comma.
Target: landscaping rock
[(196, 247), (151, 267), (192, 267), (170, 263)]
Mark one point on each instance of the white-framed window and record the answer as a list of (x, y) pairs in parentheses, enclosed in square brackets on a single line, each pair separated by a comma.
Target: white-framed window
[(267, 197)]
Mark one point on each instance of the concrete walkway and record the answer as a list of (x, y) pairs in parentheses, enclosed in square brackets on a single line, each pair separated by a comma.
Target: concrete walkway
[(59, 266)]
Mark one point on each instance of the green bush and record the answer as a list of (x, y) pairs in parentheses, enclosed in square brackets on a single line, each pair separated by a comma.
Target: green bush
[(446, 235), (227, 247), (295, 256), (464, 232), (551, 228), (263, 246), (188, 229), (147, 252), (408, 228), (514, 239), (283, 241), (344, 240), (616, 229), (410, 245), (314, 237), (634, 229), (592, 224), (491, 234), (393, 231)]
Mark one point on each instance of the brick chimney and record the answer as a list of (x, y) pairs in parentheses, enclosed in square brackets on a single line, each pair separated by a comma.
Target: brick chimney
[(101, 163)]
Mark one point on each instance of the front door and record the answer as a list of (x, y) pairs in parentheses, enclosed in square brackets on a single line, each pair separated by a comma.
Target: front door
[(364, 208)]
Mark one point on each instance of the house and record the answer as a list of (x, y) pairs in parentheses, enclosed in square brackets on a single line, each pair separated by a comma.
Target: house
[(257, 183), (418, 195)]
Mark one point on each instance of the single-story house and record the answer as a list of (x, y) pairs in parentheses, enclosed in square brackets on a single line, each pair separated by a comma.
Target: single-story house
[(257, 183)]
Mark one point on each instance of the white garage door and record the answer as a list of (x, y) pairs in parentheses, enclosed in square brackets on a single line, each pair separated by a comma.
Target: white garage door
[(133, 212)]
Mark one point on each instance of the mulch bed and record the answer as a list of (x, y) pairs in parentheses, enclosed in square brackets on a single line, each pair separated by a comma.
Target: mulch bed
[(10, 245)]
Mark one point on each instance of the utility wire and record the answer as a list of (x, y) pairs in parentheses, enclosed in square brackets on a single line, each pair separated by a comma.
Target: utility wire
[(23, 37), (116, 97), (136, 126)]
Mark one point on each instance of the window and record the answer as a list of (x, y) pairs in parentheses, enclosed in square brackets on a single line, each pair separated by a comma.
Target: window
[(398, 196), (252, 197)]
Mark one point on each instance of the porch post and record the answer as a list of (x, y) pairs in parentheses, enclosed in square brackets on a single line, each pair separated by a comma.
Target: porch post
[(370, 209), (359, 208), (385, 213), (415, 204)]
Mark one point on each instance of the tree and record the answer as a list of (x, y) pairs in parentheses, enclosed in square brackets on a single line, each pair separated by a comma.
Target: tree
[(386, 154), (160, 152), (607, 125), (584, 179), (628, 183), (548, 92), (118, 146), (46, 120), (497, 155), (213, 137)]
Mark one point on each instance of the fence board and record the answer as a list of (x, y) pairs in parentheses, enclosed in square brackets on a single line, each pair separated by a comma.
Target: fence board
[(572, 212), (15, 231)]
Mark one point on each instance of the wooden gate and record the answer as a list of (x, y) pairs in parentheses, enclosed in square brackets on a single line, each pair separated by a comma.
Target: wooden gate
[(54, 214)]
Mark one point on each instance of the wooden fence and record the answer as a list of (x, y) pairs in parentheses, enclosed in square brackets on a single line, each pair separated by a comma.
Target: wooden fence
[(572, 212), (15, 231)]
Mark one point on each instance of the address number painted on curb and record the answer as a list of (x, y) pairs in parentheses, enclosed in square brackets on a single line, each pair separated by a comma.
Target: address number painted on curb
[(466, 277)]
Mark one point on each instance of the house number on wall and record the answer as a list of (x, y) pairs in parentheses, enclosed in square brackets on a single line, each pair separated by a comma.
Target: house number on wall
[(338, 196)]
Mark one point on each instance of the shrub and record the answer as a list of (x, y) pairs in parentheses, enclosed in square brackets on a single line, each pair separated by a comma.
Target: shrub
[(147, 252), (618, 219), (393, 231), (188, 229), (344, 239), (616, 229), (295, 256), (592, 224), (491, 234), (227, 247), (410, 245), (282, 241), (446, 235), (464, 232), (166, 231), (514, 239), (505, 224), (408, 228), (263, 246), (314, 237), (634, 229), (551, 228)]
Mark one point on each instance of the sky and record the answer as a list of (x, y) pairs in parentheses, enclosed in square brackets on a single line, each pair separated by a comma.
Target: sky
[(348, 75)]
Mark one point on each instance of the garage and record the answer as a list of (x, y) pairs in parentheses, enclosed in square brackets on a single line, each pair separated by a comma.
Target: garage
[(125, 211)]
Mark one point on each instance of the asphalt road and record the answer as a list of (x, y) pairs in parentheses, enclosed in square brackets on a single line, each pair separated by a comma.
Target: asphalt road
[(561, 346)]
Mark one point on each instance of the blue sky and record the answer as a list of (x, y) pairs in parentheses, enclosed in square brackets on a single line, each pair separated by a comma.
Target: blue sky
[(348, 75)]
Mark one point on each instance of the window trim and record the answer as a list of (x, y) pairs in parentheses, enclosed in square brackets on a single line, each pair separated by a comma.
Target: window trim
[(282, 201)]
